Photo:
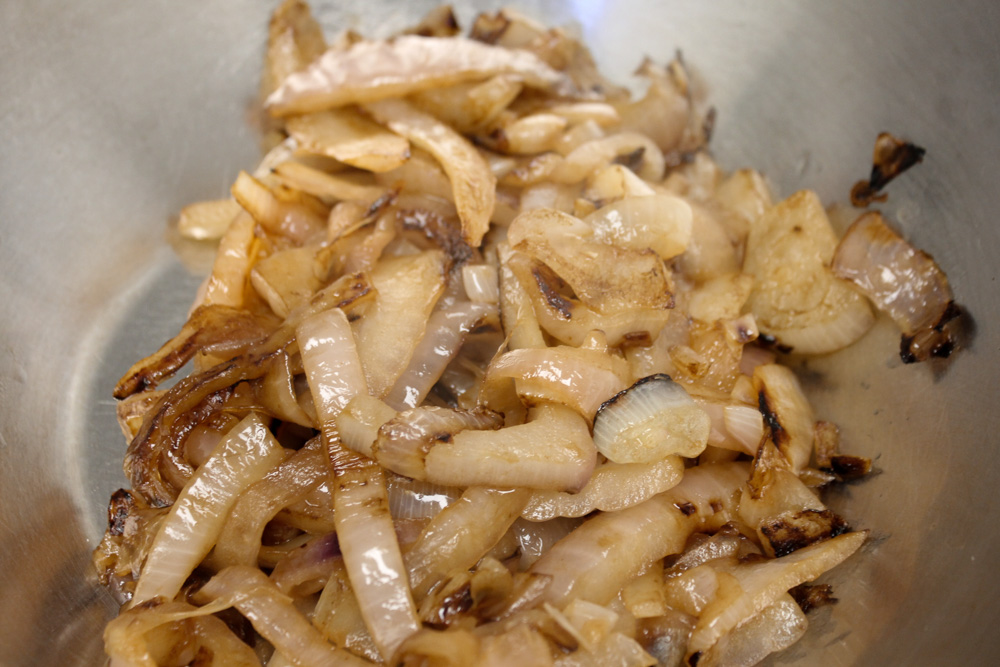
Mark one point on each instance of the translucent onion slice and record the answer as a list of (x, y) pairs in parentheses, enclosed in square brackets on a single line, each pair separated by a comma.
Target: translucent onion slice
[(461, 534), (358, 423), (331, 362), (275, 617), (903, 281), (227, 282), (138, 636), (796, 297), (774, 629), (553, 450), (787, 413), (348, 136), (338, 615), (379, 69), (371, 551), (659, 222), (534, 538), (761, 584), (472, 181), (481, 283), (746, 425), (413, 499), (406, 440), (599, 558), (408, 288), (578, 377), (652, 419), (289, 482), (207, 219), (583, 160), (335, 187), (445, 333), (279, 212), (612, 487), (195, 519), (306, 569)]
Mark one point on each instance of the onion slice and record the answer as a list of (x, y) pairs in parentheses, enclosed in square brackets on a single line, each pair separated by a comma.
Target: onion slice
[(659, 222), (761, 584), (612, 487), (578, 377), (903, 281), (289, 482), (379, 69), (652, 419), (371, 551), (461, 534), (273, 615), (196, 517), (471, 179), (553, 450), (595, 561)]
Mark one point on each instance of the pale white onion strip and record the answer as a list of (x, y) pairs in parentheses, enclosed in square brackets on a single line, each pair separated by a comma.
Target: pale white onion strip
[(471, 178), (553, 450), (613, 487), (761, 584), (746, 426), (772, 630), (481, 283), (446, 331), (580, 378), (225, 286), (595, 561), (377, 69), (461, 534), (338, 616), (589, 156), (330, 359), (127, 645), (371, 551), (195, 519), (787, 412), (413, 499), (403, 442), (516, 313), (239, 541), (358, 423), (275, 617)]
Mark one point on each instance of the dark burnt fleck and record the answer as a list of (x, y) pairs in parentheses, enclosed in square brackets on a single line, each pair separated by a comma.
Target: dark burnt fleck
[(778, 433), (119, 507), (637, 339), (716, 506), (687, 509), (631, 160), (657, 377), (769, 342), (695, 658), (708, 124), (810, 597), (550, 292), (892, 156), (848, 467), (451, 606), (443, 437), (788, 534)]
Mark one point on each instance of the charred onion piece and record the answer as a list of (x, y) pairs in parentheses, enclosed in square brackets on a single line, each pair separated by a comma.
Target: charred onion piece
[(892, 157), (904, 282), (652, 419)]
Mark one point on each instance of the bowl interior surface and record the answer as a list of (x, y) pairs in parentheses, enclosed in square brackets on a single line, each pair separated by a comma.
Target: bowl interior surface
[(118, 114)]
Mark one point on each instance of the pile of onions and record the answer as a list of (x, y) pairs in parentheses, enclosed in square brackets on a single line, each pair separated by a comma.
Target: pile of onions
[(488, 370)]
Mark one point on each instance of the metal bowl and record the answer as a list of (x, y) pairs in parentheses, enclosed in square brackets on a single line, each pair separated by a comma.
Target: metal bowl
[(117, 114)]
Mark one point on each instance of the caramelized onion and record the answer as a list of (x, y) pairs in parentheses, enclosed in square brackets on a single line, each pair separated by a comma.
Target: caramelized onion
[(903, 281), (652, 419)]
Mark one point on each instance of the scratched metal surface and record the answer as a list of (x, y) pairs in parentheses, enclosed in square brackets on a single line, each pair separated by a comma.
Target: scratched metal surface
[(116, 114)]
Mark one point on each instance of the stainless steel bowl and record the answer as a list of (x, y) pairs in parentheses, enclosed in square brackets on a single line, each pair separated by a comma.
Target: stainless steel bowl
[(116, 114)]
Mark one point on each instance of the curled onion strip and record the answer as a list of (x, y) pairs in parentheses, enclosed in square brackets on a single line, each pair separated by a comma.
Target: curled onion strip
[(597, 559), (273, 615), (371, 552), (196, 517), (461, 534), (289, 482)]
